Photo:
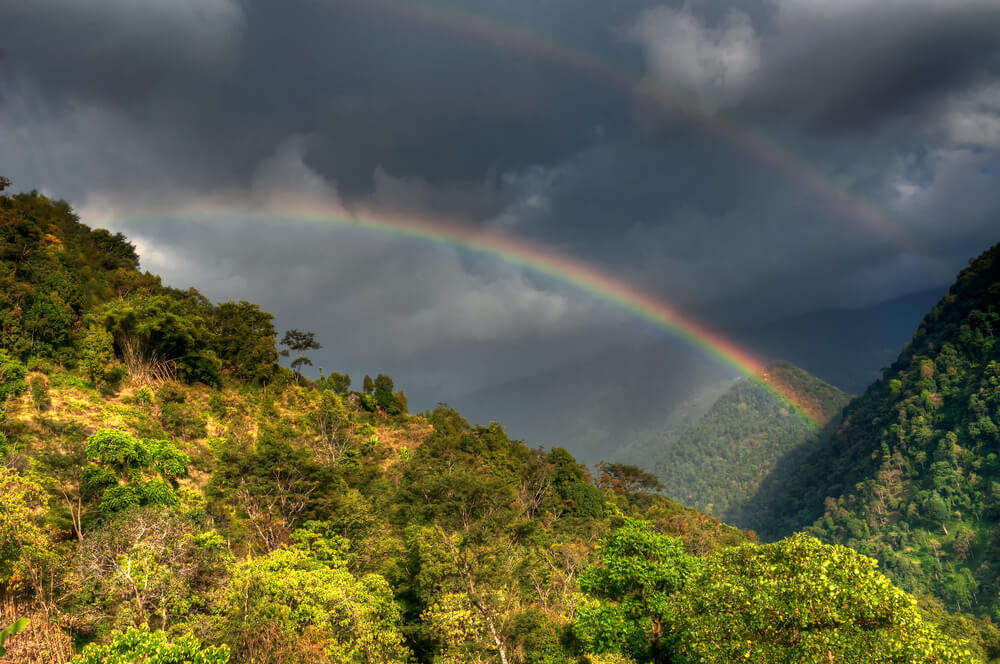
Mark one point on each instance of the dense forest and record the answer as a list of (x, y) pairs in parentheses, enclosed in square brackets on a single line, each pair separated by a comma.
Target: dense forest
[(715, 463), (912, 476), (172, 494)]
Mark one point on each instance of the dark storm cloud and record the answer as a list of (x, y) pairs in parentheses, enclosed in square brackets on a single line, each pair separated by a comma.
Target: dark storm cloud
[(117, 103), (854, 64)]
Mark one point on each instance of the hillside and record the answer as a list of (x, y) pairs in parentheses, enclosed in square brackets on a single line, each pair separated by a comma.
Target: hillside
[(911, 475), (172, 495), (716, 462), (646, 447)]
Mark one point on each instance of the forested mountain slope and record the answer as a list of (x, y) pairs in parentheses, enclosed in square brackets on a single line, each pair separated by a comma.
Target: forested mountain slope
[(171, 495), (716, 462), (645, 448), (912, 475)]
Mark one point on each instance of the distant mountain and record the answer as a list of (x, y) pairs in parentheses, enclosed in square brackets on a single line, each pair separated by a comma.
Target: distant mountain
[(602, 404), (646, 447), (912, 475), (845, 347), (715, 461)]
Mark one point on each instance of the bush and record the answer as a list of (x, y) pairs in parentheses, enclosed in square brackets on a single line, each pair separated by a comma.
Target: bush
[(143, 396), (170, 393), (111, 380), (142, 645), (182, 421), (40, 392)]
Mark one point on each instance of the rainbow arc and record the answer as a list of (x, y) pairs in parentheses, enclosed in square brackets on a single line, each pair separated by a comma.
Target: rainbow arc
[(536, 258)]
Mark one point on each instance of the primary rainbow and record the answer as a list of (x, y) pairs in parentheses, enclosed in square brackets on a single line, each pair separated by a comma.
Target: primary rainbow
[(536, 258)]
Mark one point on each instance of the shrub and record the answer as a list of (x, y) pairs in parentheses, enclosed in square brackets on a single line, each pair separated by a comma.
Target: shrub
[(112, 378), (182, 421), (142, 645), (40, 392)]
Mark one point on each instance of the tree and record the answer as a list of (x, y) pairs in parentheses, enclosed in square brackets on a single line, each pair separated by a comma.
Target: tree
[(127, 472), (25, 550), (302, 604), (386, 399), (149, 566), (630, 603), (624, 478), (368, 386), (296, 341), (156, 335), (244, 340), (799, 600), (12, 384), (339, 382), (275, 487), (333, 425), (142, 645)]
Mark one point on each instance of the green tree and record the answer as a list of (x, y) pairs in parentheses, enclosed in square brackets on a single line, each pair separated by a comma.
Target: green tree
[(386, 399), (799, 600), (126, 472), (368, 386), (12, 384), (300, 343), (154, 334), (245, 341), (625, 478), (630, 601), (302, 605), (141, 645), (339, 382), (273, 488)]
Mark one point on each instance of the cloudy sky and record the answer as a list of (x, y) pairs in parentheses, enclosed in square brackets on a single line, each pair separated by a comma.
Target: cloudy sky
[(745, 160)]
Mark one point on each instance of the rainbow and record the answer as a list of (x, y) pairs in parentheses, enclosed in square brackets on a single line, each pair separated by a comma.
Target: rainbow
[(538, 259), (747, 139)]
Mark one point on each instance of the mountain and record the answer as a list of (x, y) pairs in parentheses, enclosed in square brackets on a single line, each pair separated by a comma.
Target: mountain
[(601, 403), (911, 476), (646, 447), (715, 462), (845, 347), (170, 494)]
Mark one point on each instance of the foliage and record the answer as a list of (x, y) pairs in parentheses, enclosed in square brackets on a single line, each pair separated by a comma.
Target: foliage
[(245, 341), (799, 600), (632, 593), (911, 476), (301, 604), (151, 647), (40, 392), (126, 472), (11, 630), (716, 463), (295, 521), (156, 335), (300, 343)]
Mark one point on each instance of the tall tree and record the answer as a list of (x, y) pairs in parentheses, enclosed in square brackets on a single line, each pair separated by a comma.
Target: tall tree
[(300, 343), (631, 593), (244, 340)]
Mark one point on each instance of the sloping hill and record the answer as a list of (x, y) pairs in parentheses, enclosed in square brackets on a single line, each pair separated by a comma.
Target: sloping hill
[(912, 474), (717, 460)]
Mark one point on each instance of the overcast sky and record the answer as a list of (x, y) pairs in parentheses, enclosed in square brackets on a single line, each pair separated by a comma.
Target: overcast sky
[(473, 111)]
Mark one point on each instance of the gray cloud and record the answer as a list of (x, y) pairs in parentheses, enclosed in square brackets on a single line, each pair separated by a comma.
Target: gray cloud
[(123, 105)]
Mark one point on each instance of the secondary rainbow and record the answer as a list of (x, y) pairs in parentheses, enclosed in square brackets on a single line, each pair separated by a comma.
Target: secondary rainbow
[(676, 101), (539, 259)]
